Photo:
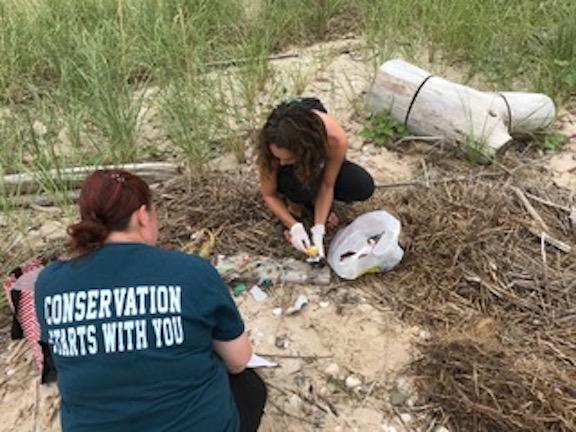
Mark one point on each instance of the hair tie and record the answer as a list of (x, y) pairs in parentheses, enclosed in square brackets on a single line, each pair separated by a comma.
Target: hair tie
[(118, 177)]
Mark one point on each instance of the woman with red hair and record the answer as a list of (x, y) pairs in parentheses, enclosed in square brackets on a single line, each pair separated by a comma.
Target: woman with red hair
[(143, 339)]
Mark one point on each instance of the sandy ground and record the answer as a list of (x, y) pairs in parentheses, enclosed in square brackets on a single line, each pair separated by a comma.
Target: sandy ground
[(351, 371), (329, 377), (342, 360)]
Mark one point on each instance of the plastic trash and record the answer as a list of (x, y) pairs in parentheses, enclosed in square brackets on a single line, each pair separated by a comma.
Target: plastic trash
[(368, 245), (300, 302), (265, 271), (258, 294)]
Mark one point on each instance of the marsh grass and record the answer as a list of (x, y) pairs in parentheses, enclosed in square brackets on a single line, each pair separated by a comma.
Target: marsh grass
[(86, 61)]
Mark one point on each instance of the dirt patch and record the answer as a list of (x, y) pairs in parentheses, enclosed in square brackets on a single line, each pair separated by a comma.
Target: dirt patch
[(563, 163), (336, 377)]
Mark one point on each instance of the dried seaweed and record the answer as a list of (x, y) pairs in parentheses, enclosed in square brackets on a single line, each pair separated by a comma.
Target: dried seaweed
[(501, 305), (470, 257)]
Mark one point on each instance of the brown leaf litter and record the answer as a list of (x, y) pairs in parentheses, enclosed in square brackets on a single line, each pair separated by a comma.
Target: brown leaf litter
[(498, 301)]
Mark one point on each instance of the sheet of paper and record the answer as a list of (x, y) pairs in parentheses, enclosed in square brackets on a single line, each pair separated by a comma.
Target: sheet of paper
[(258, 362)]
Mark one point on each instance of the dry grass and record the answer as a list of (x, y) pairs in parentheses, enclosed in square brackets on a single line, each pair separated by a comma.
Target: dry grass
[(501, 306), (229, 206)]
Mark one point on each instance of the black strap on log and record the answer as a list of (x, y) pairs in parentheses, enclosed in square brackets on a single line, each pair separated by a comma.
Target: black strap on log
[(507, 109), (414, 99)]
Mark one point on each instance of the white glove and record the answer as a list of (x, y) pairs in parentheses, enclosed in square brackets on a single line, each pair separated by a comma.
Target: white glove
[(318, 232), (299, 237)]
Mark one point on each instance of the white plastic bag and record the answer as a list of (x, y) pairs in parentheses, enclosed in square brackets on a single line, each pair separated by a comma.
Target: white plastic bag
[(368, 245)]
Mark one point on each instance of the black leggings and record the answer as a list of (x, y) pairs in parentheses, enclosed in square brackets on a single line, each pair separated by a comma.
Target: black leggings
[(352, 184), (250, 394)]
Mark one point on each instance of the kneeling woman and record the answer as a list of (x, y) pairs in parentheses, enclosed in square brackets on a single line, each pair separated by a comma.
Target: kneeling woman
[(302, 157), (143, 339)]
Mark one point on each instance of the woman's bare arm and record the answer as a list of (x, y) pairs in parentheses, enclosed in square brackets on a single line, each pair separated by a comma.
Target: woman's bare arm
[(235, 353), (268, 188), (336, 154)]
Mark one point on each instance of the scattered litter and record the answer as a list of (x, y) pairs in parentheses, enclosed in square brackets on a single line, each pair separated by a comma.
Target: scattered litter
[(324, 304), (239, 289), (277, 311), (313, 257), (295, 403), (266, 271), (300, 302), (406, 418), (281, 342), (333, 370), (312, 251), (265, 282), (441, 429), (424, 335), (258, 294), (257, 361), (398, 397), (353, 382)]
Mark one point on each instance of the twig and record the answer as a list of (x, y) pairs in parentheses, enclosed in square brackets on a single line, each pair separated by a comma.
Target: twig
[(294, 416), (559, 353), (441, 180), (547, 203), (535, 215), (431, 425), (73, 176), (36, 403), (419, 138), (402, 422), (296, 356), (40, 202), (426, 174), (544, 261), (551, 240), (285, 392), (243, 60)]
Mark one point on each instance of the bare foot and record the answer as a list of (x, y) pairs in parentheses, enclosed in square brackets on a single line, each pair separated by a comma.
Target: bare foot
[(333, 220)]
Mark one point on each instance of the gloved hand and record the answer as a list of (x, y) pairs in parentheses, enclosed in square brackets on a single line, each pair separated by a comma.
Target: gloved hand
[(299, 237), (318, 232)]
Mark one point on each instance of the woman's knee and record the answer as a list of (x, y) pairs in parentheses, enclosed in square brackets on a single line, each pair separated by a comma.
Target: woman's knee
[(354, 184), (366, 186)]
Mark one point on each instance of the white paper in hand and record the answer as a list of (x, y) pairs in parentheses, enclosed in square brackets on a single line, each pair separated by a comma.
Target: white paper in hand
[(258, 362)]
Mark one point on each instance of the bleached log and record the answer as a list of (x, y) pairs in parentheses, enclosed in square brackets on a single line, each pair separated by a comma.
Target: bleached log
[(431, 105), (526, 113), (71, 178)]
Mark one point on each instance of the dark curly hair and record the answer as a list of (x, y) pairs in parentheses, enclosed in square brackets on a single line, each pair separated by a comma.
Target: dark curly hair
[(299, 130)]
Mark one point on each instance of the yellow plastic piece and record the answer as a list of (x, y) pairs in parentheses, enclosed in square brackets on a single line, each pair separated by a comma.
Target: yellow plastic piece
[(312, 251)]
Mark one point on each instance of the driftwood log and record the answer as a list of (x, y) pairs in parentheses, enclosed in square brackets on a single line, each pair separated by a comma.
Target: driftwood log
[(71, 178), (430, 105)]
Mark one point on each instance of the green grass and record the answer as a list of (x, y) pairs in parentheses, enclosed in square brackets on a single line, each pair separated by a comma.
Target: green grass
[(382, 129), (79, 66)]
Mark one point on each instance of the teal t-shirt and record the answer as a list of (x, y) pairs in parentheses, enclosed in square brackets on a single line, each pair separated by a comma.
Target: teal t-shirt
[(131, 329)]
